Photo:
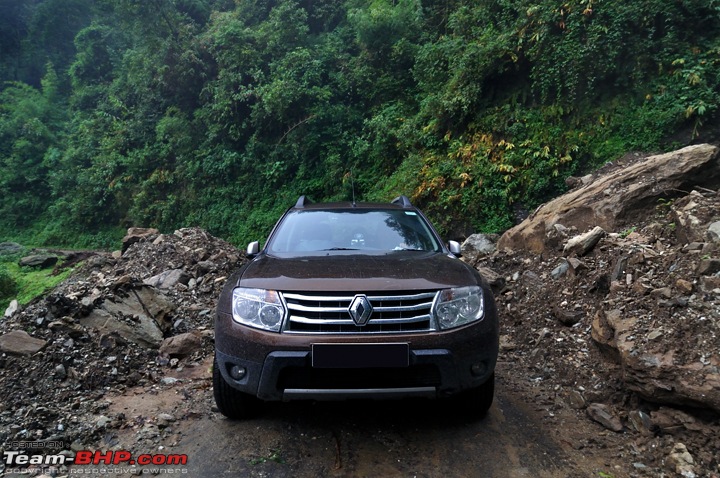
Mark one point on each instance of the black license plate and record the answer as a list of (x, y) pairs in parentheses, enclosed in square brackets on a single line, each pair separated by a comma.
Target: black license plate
[(360, 355)]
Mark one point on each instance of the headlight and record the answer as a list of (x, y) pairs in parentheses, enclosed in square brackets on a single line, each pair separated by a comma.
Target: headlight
[(260, 308), (456, 307)]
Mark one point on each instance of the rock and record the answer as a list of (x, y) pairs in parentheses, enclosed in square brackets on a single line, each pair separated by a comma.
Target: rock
[(618, 272), (145, 333), (19, 342), (693, 247), (576, 265), (584, 243), (477, 245), (12, 308), (573, 182), (657, 333), (560, 270), (10, 248), (709, 283), (576, 400), (60, 372), (41, 261), (151, 312), (136, 234), (97, 262), (610, 330), (714, 231), (66, 326), (506, 343), (181, 345), (206, 266), (708, 267), (670, 421), (102, 421), (684, 286), (664, 292), (568, 317), (640, 422), (658, 378), (495, 280), (602, 414), (681, 461), (164, 420), (155, 303), (617, 197), (168, 279)]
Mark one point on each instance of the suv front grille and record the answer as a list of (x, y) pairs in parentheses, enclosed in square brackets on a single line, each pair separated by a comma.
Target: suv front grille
[(328, 314)]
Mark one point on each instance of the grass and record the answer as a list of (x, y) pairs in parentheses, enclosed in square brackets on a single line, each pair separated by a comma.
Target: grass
[(30, 282), (273, 455)]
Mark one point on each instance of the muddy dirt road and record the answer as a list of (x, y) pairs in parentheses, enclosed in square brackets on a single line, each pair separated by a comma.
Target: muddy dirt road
[(370, 439)]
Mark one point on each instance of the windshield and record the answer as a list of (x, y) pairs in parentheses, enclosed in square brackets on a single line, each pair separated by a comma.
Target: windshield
[(359, 229)]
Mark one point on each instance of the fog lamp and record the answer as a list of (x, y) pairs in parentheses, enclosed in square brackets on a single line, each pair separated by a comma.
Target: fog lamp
[(478, 369), (237, 372)]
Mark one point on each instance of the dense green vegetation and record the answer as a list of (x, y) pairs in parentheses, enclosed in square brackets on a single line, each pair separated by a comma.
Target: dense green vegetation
[(219, 113)]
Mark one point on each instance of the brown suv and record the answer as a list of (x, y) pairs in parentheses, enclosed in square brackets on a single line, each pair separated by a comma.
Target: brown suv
[(354, 301)]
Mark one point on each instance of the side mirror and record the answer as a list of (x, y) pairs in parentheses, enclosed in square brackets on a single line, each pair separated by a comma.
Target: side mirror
[(253, 248), (455, 248)]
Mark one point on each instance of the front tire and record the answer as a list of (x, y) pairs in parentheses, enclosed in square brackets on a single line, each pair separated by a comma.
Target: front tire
[(476, 402), (232, 403)]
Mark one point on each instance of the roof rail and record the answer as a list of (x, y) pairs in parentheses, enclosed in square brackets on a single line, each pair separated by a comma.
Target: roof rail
[(303, 201), (402, 201)]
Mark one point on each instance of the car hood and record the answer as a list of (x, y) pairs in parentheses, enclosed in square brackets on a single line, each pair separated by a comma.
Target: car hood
[(339, 272)]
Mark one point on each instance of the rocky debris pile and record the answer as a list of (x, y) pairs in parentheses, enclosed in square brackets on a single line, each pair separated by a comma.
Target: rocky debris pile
[(121, 320), (622, 325)]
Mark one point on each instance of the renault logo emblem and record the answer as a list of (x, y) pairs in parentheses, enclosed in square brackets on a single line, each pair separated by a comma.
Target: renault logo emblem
[(360, 310)]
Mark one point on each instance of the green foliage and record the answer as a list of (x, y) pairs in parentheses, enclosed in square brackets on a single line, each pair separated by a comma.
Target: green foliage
[(273, 455), (219, 113), (24, 284), (628, 231), (8, 287), (31, 125)]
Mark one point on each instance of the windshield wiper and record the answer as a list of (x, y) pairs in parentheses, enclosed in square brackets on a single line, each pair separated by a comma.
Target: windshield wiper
[(341, 249)]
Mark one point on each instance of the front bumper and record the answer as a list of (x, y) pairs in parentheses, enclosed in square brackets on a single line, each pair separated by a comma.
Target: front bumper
[(274, 371)]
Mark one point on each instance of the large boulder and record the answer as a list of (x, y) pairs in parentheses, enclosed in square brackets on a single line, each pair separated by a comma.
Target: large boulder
[(617, 198), (650, 363), (38, 260), (478, 245), (19, 342), (168, 279), (181, 345), (137, 234), (148, 310)]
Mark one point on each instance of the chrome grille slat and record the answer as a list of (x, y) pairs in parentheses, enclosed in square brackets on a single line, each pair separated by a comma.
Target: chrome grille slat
[(348, 298), (409, 320), (328, 314), (304, 308), (403, 309)]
